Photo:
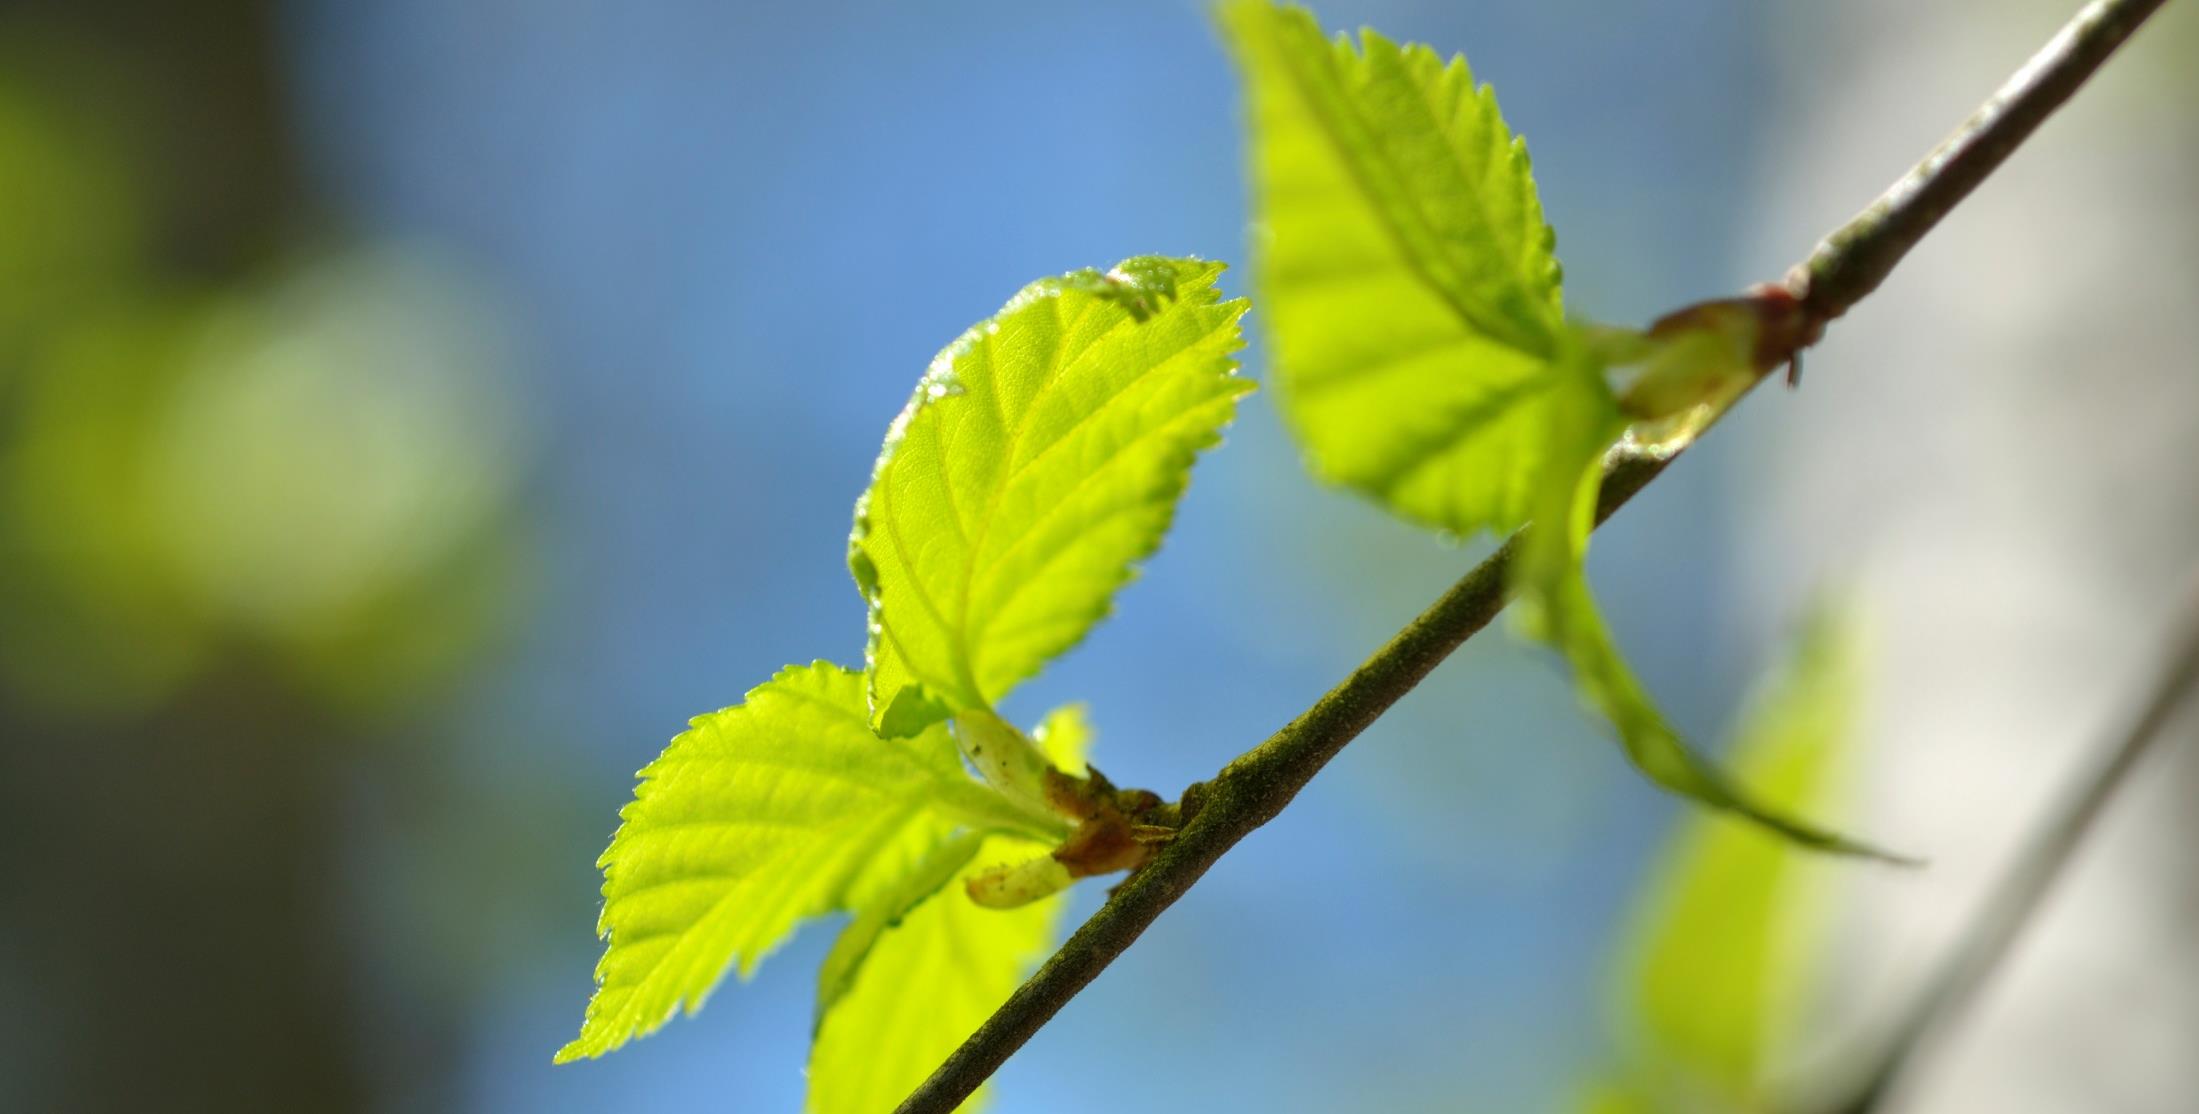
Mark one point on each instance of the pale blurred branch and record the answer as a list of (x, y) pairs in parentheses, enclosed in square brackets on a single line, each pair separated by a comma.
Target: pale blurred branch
[(1258, 784), (2000, 921), (1857, 256)]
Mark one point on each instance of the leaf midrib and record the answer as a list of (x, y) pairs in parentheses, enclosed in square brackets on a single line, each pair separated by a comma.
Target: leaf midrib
[(965, 661), (1369, 196)]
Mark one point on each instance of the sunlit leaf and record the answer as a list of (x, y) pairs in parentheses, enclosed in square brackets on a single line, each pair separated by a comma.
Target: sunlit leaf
[(757, 817), (1407, 275), (1065, 736), (925, 987), (1552, 580), (1039, 460), (921, 965), (1403, 269)]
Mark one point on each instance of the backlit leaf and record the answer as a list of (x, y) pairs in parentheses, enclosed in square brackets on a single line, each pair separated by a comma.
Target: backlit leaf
[(925, 986), (1552, 580), (755, 818), (1403, 268), (1039, 460), (1421, 344), (921, 965)]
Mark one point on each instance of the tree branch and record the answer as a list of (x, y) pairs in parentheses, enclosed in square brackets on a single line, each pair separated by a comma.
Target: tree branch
[(2000, 920), (1256, 786), (1858, 255)]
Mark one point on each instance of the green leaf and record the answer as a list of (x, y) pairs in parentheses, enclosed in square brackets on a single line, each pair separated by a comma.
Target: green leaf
[(755, 818), (1715, 968), (1552, 580), (880, 902), (1039, 460), (1421, 344), (1065, 736), (1404, 269), (1692, 364), (925, 987), (921, 966)]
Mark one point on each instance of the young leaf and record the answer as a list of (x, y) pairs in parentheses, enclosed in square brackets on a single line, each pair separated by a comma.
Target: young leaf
[(1421, 342), (757, 817), (880, 902), (1039, 460), (1404, 267), (925, 987), (921, 966), (1065, 736), (1695, 362), (1004, 757), (1553, 583), (1712, 975)]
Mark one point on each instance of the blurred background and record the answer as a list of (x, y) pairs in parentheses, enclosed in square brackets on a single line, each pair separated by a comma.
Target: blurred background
[(411, 412)]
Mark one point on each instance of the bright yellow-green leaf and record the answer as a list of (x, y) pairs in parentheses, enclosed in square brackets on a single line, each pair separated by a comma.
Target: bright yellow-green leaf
[(921, 966), (1407, 276), (755, 818), (1065, 737), (1039, 460), (1689, 367), (1553, 582), (925, 986), (1018, 764), (1403, 269), (881, 899), (1714, 973), (1005, 757)]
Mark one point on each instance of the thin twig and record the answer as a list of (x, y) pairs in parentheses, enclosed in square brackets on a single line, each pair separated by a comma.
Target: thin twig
[(1257, 785), (2000, 921), (1859, 255)]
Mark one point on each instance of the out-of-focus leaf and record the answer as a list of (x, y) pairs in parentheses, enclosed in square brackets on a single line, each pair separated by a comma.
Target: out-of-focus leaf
[(72, 221), (1607, 682), (1039, 460), (321, 464), (1065, 737), (1422, 349), (1403, 269), (1692, 365), (98, 620), (1552, 579), (1610, 1097), (1713, 974)]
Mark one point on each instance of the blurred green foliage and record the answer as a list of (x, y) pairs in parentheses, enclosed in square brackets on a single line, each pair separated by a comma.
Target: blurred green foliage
[(72, 222), (1718, 962), (311, 467), (259, 503)]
